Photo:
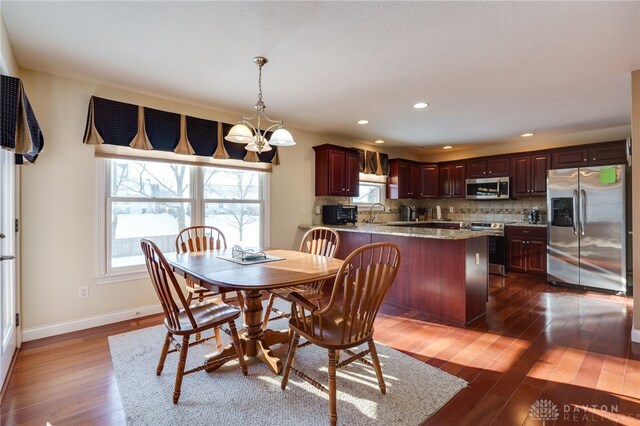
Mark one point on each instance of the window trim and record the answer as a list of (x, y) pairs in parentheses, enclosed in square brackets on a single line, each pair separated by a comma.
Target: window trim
[(104, 273), (383, 196)]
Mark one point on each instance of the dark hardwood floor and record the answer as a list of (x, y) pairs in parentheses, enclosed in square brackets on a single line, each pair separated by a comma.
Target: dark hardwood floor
[(537, 342)]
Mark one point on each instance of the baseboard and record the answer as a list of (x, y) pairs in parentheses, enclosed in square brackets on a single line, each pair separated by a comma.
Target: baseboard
[(635, 335), (34, 333)]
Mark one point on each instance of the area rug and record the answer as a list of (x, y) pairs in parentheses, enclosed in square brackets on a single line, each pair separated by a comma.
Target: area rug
[(415, 390)]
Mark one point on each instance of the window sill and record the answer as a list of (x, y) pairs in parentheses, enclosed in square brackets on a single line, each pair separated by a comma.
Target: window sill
[(121, 276)]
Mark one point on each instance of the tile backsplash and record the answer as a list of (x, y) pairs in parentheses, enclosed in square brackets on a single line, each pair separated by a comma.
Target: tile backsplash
[(463, 210)]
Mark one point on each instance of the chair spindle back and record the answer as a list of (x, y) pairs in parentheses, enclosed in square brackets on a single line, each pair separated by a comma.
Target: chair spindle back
[(200, 238), (165, 284), (321, 241)]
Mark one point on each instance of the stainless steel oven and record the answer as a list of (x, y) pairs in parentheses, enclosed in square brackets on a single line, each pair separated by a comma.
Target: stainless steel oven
[(497, 251), (487, 188)]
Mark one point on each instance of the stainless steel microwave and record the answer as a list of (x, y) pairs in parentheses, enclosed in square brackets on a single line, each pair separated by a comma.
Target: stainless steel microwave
[(487, 188)]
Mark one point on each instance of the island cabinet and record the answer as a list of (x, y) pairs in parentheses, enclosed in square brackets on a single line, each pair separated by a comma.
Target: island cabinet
[(452, 180), (527, 249), (337, 171), (404, 179), (529, 175), (488, 167), (445, 278), (429, 187), (600, 154)]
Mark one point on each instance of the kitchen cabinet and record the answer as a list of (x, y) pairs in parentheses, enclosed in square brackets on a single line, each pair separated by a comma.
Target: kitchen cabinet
[(429, 187), (601, 154), (337, 170), (404, 179), (529, 175), (527, 249), (452, 180), (488, 167)]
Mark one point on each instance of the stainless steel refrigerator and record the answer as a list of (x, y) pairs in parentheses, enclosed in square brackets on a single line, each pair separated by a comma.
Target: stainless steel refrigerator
[(586, 229)]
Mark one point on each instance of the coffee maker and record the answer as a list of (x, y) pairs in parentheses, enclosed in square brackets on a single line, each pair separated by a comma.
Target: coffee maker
[(407, 213)]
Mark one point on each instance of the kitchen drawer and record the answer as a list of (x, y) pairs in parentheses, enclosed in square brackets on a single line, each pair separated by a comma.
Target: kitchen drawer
[(526, 231)]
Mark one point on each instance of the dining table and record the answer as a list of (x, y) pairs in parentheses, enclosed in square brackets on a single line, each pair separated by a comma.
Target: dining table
[(218, 271)]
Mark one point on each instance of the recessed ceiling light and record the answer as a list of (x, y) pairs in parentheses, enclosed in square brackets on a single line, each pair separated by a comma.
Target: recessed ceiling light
[(379, 141), (526, 135), (447, 147), (420, 105), (362, 121)]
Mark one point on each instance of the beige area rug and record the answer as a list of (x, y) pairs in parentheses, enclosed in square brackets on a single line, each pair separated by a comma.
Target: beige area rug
[(415, 390)]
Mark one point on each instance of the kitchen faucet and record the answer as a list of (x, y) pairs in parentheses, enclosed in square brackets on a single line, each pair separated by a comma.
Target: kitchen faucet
[(372, 217)]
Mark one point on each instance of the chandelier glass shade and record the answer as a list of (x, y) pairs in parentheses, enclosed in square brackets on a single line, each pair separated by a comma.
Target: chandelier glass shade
[(255, 137)]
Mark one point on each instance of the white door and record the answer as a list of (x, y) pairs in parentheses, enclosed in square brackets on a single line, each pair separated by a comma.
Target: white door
[(7, 262)]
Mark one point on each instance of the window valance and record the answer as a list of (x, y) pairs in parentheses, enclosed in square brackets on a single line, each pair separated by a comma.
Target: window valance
[(374, 163), (20, 131), (142, 128)]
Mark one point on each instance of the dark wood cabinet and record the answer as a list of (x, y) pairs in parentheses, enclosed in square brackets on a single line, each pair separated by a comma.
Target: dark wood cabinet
[(526, 249), (452, 180), (488, 167), (404, 179), (601, 154), (429, 187), (337, 171), (529, 175)]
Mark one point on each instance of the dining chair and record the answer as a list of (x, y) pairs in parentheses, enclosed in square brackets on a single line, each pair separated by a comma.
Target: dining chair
[(346, 321), (321, 241), (184, 319)]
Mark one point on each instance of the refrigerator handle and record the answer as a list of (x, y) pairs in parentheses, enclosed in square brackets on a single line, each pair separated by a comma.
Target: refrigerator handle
[(583, 212), (575, 212)]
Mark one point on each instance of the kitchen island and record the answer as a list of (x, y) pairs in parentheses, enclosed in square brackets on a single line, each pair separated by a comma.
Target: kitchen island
[(443, 272)]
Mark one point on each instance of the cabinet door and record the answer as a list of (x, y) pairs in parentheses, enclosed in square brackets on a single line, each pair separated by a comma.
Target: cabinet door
[(520, 176), (404, 178), (609, 154), (476, 169), (352, 177), (537, 256), (498, 167), (337, 184), (414, 181), (445, 181), (576, 157), (539, 167), (429, 181), (458, 181), (516, 254)]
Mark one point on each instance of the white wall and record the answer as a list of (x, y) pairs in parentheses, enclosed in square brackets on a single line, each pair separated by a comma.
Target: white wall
[(58, 206), (8, 61), (635, 135)]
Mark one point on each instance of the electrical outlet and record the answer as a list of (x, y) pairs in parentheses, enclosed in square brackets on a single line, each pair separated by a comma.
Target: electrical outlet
[(450, 209), (318, 210), (83, 292)]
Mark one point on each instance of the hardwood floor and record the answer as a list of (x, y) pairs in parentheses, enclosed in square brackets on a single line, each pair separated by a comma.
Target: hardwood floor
[(536, 342)]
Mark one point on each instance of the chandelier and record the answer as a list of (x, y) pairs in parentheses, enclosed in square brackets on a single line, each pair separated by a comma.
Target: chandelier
[(255, 136)]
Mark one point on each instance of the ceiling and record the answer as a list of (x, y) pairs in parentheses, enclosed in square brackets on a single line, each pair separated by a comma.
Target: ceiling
[(490, 70)]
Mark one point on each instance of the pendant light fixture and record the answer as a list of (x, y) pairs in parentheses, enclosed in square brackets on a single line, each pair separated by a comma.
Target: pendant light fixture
[(255, 136)]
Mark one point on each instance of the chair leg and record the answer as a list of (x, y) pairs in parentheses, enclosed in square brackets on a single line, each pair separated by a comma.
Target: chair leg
[(240, 300), (267, 311), (293, 345), (333, 416), (236, 344), (216, 333), (189, 297), (376, 365), (163, 354), (181, 363)]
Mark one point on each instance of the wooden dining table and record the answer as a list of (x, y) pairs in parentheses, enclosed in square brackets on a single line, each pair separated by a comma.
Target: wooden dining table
[(211, 270)]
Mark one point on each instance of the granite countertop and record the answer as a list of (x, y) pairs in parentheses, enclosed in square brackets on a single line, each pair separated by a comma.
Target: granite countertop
[(407, 231), (404, 222), (527, 224)]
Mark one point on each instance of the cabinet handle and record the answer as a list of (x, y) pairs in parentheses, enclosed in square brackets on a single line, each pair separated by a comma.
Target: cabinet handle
[(490, 172), (594, 158)]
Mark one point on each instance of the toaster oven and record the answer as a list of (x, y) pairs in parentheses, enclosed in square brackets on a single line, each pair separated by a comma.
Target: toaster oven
[(338, 214)]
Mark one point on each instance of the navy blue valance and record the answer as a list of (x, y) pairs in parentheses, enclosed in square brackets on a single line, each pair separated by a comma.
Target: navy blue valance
[(19, 129), (119, 123)]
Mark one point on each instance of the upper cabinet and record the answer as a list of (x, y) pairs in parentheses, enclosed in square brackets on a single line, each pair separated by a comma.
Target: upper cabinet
[(404, 179), (429, 180), (529, 174), (601, 154), (452, 180), (488, 167), (337, 171)]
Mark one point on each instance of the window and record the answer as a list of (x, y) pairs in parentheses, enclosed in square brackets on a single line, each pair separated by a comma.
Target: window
[(155, 200), (370, 193)]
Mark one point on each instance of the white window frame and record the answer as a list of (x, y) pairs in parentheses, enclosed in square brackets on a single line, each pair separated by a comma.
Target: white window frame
[(105, 273), (380, 182)]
